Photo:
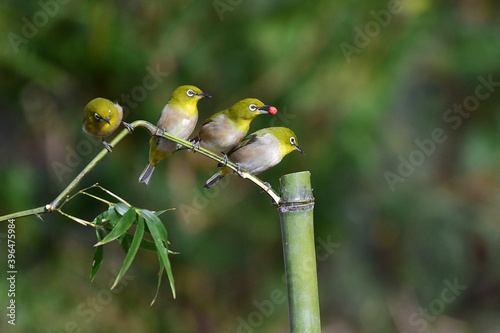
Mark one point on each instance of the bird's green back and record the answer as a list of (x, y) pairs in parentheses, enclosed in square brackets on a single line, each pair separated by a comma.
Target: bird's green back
[(283, 134), (241, 111)]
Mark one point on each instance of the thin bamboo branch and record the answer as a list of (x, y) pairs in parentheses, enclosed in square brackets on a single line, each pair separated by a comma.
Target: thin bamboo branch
[(23, 213), (57, 201), (114, 196), (68, 198), (109, 203), (153, 130), (83, 222)]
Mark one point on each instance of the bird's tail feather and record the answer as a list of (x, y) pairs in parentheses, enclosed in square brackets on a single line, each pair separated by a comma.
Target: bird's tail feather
[(213, 180), (146, 174)]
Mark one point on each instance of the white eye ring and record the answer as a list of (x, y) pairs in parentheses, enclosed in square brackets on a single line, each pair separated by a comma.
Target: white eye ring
[(252, 107), (97, 116), (292, 141), (190, 93)]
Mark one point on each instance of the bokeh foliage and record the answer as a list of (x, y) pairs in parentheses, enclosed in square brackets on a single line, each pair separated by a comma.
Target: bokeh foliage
[(354, 116)]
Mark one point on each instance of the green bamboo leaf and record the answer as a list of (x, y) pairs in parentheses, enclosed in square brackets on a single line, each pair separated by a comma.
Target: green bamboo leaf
[(136, 241), (99, 251), (148, 245), (159, 237), (98, 255), (159, 224), (125, 241), (145, 244), (101, 218), (163, 211), (113, 216), (121, 208), (121, 227), (155, 220), (160, 274)]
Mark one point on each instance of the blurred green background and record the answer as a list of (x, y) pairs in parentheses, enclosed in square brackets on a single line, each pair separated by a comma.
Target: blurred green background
[(390, 101)]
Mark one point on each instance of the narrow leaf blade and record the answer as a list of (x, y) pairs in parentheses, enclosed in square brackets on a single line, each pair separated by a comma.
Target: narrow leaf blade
[(113, 216), (145, 244), (160, 274), (121, 226), (163, 211), (136, 241), (152, 221), (125, 241), (121, 208), (98, 255), (157, 222), (148, 245)]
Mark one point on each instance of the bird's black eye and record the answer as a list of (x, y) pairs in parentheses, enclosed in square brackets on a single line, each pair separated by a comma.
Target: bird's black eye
[(97, 116), (292, 141), (190, 93), (252, 107)]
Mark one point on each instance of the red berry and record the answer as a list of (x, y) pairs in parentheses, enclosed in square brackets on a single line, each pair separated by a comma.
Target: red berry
[(272, 110)]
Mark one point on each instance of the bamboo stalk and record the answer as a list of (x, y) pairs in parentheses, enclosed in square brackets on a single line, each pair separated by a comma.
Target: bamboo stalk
[(297, 227)]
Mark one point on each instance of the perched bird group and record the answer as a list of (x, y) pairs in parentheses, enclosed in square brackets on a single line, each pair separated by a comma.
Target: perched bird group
[(223, 132)]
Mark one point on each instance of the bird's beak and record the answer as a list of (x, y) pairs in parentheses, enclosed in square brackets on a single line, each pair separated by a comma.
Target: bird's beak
[(271, 109), (204, 95), (299, 149), (106, 120), (263, 107)]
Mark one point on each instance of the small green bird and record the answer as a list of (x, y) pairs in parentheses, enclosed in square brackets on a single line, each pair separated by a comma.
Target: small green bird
[(101, 117), (259, 151), (178, 118), (225, 129)]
